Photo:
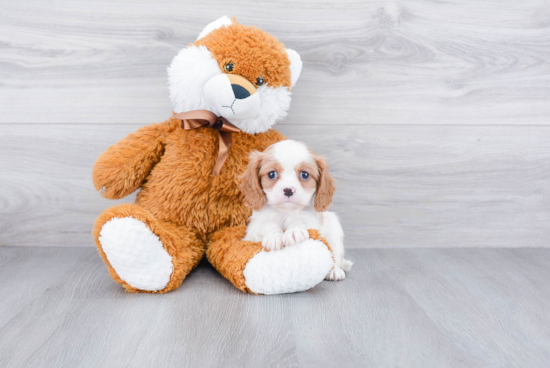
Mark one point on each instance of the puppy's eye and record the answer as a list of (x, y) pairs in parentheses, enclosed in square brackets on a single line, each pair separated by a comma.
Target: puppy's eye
[(272, 175), (259, 82), (304, 175), (228, 67)]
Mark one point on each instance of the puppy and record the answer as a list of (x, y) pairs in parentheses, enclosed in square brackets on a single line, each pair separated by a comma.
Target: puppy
[(289, 188)]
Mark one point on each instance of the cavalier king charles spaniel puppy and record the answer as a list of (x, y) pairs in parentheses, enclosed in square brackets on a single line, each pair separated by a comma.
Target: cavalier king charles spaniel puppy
[(289, 189)]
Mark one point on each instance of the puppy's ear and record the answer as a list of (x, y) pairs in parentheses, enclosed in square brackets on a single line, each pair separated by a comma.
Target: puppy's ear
[(250, 186), (325, 186)]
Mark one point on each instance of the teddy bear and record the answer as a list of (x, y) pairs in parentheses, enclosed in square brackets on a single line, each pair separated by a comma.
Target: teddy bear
[(228, 89)]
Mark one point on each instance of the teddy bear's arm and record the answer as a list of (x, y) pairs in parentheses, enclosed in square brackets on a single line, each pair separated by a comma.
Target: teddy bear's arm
[(121, 169)]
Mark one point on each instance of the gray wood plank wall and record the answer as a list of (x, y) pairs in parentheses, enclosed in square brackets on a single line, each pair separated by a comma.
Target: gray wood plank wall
[(435, 116)]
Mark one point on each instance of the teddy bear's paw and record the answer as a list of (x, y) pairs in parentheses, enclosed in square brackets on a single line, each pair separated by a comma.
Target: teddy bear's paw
[(136, 254), (336, 274), (289, 270), (273, 241), (295, 235)]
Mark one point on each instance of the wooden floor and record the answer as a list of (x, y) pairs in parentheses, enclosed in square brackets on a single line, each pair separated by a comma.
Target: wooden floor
[(398, 307)]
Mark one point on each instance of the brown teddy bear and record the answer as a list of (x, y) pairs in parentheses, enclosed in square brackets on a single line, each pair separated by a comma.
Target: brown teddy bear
[(228, 89)]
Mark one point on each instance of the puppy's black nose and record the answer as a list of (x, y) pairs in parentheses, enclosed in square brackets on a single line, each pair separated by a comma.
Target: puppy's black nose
[(288, 192), (240, 92)]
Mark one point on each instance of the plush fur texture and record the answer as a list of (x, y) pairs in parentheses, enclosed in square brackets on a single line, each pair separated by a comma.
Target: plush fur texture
[(188, 74), (180, 202), (197, 75), (274, 272), (274, 104), (183, 246), (229, 254), (190, 210), (136, 253), (265, 56)]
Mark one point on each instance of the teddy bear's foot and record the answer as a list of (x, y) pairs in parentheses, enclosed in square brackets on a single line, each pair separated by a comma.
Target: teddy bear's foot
[(295, 268), (252, 269), (136, 254), (144, 254)]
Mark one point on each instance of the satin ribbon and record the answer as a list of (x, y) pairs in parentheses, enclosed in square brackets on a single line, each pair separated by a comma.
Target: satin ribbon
[(203, 118)]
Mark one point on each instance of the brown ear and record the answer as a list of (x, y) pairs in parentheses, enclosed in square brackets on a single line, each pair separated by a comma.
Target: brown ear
[(325, 186), (250, 186)]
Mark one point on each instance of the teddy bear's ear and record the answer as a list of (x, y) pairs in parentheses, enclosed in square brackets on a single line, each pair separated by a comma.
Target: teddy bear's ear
[(295, 66), (223, 21)]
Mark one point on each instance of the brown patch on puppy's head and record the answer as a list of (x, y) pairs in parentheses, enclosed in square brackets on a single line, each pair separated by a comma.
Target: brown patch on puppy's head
[(253, 52)]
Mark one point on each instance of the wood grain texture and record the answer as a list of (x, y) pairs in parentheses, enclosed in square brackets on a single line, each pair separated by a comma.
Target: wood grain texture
[(397, 307), (19, 267), (397, 186), (365, 62)]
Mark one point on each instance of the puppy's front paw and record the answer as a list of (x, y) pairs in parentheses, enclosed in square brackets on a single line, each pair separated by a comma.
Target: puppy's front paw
[(336, 274), (273, 241), (295, 235)]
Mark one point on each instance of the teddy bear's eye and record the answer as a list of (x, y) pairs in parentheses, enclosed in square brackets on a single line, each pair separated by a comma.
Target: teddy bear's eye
[(228, 67), (272, 175), (304, 175), (259, 82)]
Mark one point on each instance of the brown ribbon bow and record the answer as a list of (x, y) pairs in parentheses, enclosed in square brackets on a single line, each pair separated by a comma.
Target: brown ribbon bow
[(204, 118)]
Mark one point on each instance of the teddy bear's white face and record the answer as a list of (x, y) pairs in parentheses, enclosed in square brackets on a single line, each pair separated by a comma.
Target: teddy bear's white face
[(250, 102)]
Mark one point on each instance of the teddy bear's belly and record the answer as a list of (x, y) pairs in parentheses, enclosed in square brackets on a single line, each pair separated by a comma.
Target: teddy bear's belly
[(181, 187)]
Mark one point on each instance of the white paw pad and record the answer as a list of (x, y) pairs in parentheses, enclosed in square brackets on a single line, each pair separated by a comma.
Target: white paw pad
[(289, 270), (336, 274), (136, 254)]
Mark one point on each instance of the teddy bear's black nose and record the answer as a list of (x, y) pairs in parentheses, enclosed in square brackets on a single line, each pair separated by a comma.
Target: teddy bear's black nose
[(240, 92)]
